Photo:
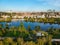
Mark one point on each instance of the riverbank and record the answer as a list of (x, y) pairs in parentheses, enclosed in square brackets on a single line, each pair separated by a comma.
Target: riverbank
[(5, 19), (21, 34), (45, 20)]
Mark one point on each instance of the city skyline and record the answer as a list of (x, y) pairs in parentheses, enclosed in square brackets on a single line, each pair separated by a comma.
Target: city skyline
[(29, 5)]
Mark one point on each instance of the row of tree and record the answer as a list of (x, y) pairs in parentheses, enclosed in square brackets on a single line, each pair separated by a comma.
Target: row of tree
[(21, 36), (46, 20)]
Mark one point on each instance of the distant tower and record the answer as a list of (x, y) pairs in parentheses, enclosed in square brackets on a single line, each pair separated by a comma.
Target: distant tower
[(49, 10), (11, 12)]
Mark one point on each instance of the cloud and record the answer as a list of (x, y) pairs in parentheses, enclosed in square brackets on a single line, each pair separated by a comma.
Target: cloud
[(55, 3)]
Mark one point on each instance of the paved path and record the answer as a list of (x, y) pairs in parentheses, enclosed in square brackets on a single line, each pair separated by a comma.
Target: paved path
[(2, 38)]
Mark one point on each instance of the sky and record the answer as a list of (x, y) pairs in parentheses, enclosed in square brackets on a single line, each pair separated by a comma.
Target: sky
[(29, 5)]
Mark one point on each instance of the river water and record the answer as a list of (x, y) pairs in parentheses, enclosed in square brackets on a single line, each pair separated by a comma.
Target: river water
[(43, 26)]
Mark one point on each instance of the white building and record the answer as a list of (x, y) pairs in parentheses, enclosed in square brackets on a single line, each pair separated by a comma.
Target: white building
[(39, 34), (5, 16), (41, 16)]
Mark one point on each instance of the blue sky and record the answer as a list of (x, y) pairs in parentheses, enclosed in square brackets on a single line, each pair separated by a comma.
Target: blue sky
[(29, 5)]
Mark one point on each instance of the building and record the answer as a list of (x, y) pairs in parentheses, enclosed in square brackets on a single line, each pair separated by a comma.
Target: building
[(5, 16)]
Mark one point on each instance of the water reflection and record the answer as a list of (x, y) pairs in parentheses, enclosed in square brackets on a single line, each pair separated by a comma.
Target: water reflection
[(43, 26)]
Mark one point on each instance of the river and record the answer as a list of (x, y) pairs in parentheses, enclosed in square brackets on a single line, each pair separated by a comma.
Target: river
[(43, 26)]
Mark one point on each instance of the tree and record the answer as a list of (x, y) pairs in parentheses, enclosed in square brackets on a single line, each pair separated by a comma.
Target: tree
[(14, 43), (30, 43), (22, 28), (49, 39), (1, 26), (1, 34), (8, 40), (40, 42), (37, 28), (20, 41), (7, 27), (44, 40), (29, 28), (1, 43), (26, 18)]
